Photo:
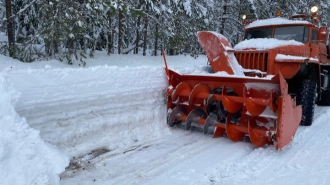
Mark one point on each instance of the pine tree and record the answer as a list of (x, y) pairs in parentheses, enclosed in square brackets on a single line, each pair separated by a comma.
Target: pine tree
[(10, 28), (72, 30)]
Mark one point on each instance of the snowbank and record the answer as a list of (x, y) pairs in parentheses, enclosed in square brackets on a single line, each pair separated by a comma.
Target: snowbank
[(24, 157)]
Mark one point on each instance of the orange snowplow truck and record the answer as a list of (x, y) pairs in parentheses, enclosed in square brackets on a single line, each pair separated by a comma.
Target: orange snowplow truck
[(273, 79)]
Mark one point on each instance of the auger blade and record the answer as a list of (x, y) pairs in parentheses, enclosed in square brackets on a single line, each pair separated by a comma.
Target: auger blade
[(212, 121), (238, 106), (176, 115), (196, 117)]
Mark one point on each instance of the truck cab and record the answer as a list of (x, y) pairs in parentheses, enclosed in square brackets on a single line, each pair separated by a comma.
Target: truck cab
[(296, 47), (305, 32)]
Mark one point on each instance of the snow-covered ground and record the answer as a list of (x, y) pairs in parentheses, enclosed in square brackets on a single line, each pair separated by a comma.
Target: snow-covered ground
[(106, 124)]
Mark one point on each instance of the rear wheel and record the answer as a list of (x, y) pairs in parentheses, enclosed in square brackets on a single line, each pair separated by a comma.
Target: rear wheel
[(325, 98), (325, 92), (307, 98)]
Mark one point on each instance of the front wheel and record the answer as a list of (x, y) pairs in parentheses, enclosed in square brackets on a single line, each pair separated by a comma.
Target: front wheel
[(307, 98)]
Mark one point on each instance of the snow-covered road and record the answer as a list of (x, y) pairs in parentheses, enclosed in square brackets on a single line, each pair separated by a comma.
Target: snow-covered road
[(110, 120)]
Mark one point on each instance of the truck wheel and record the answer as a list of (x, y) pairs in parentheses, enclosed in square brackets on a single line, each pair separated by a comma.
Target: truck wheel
[(307, 97), (325, 98)]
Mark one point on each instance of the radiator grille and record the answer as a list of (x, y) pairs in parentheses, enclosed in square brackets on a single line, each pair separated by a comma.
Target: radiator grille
[(252, 59)]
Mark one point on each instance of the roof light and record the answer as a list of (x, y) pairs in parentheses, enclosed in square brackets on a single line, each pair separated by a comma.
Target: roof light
[(314, 9), (278, 13)]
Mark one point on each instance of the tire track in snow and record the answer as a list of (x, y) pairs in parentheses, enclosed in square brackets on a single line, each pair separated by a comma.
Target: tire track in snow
[(295, 164), (179, 158)]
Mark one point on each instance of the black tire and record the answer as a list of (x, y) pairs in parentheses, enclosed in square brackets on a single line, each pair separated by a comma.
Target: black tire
[(325, 98), (307, 98)]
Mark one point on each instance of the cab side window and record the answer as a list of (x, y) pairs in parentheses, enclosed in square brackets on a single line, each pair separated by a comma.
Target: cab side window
[(306, 34), (314, 36)]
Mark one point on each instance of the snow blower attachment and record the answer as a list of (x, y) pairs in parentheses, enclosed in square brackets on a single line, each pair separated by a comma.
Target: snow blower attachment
[(234, 104)]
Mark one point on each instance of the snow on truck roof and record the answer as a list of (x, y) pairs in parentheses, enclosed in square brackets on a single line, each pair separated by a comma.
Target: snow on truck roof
[(274, 21), (265, 43)]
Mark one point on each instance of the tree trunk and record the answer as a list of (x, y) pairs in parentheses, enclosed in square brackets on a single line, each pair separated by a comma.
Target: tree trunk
[(171, 52), (112, 42), (110, 38), (145, 33), (120, 30), (10, 28), (222, 30), (138, 24), (136, 50), (156, 38)]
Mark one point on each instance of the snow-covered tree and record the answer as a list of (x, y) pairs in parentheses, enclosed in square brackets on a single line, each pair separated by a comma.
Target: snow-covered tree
[(73, 30)]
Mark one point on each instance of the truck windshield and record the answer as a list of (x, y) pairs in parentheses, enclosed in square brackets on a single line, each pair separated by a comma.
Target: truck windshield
[(297, 33), (258, 33)]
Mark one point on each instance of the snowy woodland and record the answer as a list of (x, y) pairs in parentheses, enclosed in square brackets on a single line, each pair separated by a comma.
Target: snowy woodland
[(71, 31), (103, 119)]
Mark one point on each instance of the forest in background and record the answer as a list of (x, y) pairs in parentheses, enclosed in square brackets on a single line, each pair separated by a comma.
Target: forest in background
[(73, 30)]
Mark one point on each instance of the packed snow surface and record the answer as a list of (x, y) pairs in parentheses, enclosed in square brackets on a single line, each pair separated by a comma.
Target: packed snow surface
[(106, 124)]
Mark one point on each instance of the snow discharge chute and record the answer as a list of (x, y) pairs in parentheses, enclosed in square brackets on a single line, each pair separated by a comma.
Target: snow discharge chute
[(233, 105)]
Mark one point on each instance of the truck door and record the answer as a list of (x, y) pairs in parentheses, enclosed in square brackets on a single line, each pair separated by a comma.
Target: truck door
[(314, 44)]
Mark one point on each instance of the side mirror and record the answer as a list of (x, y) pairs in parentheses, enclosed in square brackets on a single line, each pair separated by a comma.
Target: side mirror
[(323, 34)]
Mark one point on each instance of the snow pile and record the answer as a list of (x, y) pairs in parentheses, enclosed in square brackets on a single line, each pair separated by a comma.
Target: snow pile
[(24, 157), (187, 7), (287, 58), (275, 21), (265, 43), (90, 108), (237, 68), (268, 87)]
